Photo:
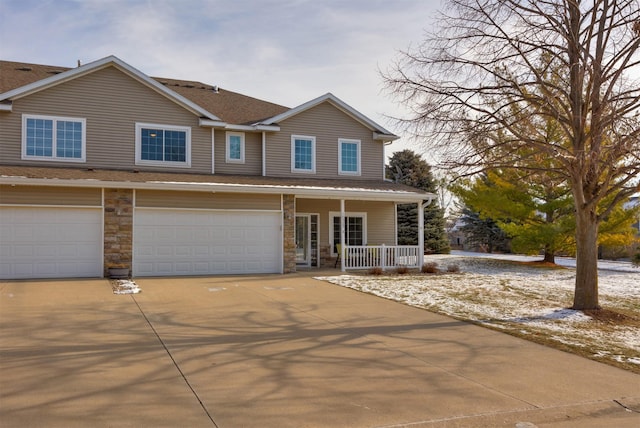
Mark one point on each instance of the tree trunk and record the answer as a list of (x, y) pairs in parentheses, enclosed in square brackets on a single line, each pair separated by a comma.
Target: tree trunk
[(549, 256), (586, 292)]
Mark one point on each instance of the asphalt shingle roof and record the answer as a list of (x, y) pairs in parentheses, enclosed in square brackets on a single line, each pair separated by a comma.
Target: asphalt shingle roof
[(229, 106)]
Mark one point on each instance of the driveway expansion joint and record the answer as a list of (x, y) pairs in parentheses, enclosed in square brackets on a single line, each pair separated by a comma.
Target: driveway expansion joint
[(175, 363)]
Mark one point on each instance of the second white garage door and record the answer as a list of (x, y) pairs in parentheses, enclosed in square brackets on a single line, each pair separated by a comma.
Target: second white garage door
[(184, 242)]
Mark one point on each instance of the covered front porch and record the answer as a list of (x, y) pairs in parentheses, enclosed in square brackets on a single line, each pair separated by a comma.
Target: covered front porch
[(354, 234)]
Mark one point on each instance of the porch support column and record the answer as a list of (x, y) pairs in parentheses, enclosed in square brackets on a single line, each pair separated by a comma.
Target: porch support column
[(420, 234), (342, 249)]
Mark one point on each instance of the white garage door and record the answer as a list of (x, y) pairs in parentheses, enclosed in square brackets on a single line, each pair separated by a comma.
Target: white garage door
[(181, 242), (50, 242)]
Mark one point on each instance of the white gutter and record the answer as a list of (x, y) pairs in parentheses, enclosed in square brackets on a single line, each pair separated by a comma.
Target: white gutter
[(385, 137), (207, 123), (307, 192), (212, 123)]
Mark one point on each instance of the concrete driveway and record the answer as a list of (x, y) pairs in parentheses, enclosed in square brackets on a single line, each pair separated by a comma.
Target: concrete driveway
[(279, 351)]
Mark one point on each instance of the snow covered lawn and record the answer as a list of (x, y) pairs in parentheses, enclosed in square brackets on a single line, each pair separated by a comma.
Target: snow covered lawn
[(522, 299)]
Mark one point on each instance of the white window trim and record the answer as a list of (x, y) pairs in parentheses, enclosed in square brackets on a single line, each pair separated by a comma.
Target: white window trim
[(228, 136), (333, 214), (168, 164), (54, 157), (313, 154), (357, 143)]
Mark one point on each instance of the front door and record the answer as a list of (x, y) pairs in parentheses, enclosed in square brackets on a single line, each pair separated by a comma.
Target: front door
[(302, 239), (307, 240)]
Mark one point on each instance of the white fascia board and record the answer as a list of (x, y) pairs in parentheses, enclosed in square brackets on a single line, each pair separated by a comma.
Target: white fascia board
[(251, 128), (266, 128), (98, 65), (206, 123), (298, 191), (6, 107), (339, 104), (231, 127), (386, 138)]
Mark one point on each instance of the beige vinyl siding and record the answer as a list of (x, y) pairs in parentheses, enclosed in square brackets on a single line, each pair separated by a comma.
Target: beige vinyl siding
[(206, 200), (252, 155), (46, 195), (380, 217), (327, 124), (112, 103)]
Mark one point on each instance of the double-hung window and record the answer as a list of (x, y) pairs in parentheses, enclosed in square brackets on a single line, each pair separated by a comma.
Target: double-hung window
[(303, 154), (235, 147), (348, 157), (355, 230), (53, 138), (163, 145)]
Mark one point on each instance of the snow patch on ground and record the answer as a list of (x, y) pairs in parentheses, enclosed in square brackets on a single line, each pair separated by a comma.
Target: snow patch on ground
[(526, 299), (125, 286)]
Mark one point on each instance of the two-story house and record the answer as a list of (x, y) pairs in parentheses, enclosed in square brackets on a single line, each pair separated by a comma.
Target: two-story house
[(102, 165)]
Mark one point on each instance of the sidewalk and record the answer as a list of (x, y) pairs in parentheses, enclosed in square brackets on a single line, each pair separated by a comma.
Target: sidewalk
[(279, 351)]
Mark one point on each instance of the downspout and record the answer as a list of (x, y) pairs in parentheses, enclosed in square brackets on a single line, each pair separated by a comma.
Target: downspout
[(264, 154), (282, 246), (213, 150), (420, 259), (384, 159), (395, 225), (342, 249)]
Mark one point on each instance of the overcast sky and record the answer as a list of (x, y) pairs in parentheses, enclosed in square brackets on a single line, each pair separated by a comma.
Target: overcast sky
[(283, 51)]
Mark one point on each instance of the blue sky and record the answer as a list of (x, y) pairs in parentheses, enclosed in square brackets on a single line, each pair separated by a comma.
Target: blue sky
[(284, 51)]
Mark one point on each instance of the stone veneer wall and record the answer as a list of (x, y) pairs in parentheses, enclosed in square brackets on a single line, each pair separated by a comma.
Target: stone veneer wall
[(326, 259), (118, 228), (289, 223)]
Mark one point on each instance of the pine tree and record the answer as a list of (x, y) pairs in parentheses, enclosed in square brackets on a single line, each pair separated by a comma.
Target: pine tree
[(483, 232), (409, 168)]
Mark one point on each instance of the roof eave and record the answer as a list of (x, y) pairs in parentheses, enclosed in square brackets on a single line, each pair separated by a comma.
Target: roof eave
[(376, 128), (233, 127), (298, 191), (98, 65), (385, 137)]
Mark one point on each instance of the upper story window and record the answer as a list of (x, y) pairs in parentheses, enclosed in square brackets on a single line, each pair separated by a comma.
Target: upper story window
[(235, 147), (303, 154), (163, 145), (348, 157), (53, 138)]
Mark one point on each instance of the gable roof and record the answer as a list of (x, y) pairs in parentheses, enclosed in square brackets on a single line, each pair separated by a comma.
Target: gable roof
[(110, 61), (216, 106), (229, 106), (380, 133)]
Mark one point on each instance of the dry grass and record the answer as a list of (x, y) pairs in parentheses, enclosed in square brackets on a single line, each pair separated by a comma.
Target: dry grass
[(430, 267)]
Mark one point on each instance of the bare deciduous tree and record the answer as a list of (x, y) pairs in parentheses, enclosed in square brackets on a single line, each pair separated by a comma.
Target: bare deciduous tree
[(491, 63)]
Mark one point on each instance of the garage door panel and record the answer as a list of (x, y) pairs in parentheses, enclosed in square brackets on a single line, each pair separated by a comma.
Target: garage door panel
[(41, 242), (182, 242)]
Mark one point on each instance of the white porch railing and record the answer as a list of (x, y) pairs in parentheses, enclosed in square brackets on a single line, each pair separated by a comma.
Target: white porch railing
[(383, 256)]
